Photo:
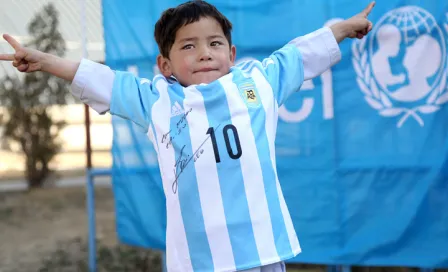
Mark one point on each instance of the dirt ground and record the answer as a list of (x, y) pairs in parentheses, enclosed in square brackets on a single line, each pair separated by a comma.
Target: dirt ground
[(51, 223), (34, 224), (48, 224), (46, 230)]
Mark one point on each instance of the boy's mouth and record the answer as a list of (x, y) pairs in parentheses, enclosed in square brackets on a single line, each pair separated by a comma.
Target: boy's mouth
[(206, 69)]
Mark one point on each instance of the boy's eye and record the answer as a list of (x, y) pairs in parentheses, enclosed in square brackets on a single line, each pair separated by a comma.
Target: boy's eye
[(216, 43), (188, 46)]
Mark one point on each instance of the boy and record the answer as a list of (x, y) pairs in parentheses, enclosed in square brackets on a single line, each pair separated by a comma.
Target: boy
[(213, 126)]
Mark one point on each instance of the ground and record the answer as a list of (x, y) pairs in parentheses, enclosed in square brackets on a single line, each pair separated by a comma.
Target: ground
[(46, 230), (43, 228)]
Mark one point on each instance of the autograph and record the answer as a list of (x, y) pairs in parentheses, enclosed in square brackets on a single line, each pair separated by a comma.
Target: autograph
[(180, 125), (183, 161)]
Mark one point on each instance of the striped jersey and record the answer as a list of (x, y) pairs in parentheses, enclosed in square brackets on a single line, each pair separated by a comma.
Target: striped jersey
[(215, 146)]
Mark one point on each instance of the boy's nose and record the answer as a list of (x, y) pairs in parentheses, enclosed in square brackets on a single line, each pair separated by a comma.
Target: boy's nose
[(205, 55)]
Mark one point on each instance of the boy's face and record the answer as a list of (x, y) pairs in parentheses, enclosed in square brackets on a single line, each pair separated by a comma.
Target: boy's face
[(200, 54)]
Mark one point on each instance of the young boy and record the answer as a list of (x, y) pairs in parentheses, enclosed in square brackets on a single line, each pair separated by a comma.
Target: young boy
[(213, 126)]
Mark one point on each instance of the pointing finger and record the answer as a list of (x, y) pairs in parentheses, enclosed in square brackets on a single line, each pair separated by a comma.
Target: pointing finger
[(13, 42), (369, 8), (7, 57)]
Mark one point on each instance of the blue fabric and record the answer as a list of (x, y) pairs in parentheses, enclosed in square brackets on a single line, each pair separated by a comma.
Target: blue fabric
[(361, 151)]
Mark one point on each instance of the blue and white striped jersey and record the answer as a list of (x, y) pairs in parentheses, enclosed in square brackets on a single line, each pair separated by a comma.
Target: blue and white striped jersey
[(215, 145)]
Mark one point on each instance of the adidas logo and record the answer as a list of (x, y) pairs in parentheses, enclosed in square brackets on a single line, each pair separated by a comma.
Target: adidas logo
[(176, 109)]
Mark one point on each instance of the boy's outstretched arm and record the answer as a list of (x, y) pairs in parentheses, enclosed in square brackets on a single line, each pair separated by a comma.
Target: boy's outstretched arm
[(355, 27), (312, 54), (29, 60), (95, 84)]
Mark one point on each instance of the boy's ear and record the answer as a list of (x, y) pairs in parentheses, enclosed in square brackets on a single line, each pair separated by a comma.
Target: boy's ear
[(232, 54), (164, 66)]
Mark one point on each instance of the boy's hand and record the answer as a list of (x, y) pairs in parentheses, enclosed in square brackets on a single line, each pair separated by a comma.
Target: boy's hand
[(356, 27), (30, 60), (25, 59)]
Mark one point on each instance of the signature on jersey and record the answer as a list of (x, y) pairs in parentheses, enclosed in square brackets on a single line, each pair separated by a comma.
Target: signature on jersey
[(184, 159), (180, 125)]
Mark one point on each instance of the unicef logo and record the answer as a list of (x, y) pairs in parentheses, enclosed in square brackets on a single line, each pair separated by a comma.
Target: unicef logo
[(401, 66)]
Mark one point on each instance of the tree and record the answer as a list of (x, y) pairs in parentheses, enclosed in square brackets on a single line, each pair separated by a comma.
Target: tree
[(26, 99)]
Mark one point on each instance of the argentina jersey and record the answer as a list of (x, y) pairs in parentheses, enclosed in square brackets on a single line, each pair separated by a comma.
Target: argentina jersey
[(215, 146)]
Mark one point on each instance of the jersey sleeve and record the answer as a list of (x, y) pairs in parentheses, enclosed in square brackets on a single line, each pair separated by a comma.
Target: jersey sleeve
[(120, 93), (301, 59)]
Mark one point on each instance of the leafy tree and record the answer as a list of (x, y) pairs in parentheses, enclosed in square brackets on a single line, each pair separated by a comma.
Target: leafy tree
[(27, 120)]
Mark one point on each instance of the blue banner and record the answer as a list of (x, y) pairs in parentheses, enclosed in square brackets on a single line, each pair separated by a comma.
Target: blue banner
[(361, 151)]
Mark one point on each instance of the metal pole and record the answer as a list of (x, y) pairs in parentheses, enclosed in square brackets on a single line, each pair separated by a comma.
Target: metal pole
[(91, 218), (335, 268), (86, 108)]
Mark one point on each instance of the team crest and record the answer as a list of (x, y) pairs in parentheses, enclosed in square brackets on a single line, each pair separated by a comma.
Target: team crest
[(249, 94), (401, 66)]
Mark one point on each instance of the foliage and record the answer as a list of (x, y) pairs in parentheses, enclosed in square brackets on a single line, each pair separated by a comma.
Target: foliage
[(27, 120)]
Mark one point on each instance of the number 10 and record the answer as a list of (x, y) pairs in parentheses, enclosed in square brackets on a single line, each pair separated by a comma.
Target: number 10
[(225, 132)]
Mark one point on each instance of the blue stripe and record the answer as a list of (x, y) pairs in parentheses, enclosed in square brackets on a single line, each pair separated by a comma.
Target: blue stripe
[(236, 207), (187, 188), (246, 65), (258, 118), (156, 95)]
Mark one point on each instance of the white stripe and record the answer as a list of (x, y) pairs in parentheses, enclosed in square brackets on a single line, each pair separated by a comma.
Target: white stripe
[(153, 140), (293, 240), (208, 182), (271, 108), (178, 256), (252, 174)]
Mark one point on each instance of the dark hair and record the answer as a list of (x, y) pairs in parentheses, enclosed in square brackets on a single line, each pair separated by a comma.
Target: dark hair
[(173, 19)]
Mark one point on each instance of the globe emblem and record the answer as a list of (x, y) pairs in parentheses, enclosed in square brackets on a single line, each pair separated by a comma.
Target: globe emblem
[(407, 54)]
